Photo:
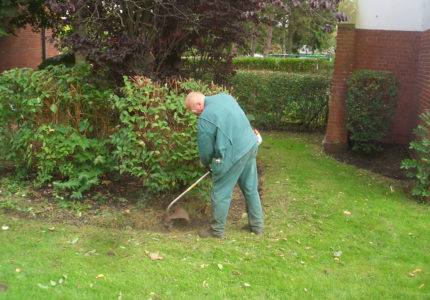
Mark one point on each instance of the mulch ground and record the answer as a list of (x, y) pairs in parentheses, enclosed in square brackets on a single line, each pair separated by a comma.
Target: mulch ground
[(386, 162), (130, 215)]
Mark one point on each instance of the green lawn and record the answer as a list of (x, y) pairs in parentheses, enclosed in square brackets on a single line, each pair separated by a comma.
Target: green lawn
[(332, 232)]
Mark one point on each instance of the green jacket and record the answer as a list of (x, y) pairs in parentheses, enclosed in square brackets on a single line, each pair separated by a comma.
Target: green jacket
[(224, 133)]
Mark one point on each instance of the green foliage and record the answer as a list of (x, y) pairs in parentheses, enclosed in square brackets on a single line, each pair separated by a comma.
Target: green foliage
[(156, 138), (53, 126), (75, 161), (281, 101), (68, 60), (292, 65), (421, 165), (371, 100)]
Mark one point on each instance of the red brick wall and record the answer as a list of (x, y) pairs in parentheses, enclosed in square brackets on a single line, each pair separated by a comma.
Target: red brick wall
[(336, 135), (422, 91), (398, 52), (405, 53), (23, 50)]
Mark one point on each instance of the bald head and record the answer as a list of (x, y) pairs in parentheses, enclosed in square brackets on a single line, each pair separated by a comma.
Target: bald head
[(195, 102)]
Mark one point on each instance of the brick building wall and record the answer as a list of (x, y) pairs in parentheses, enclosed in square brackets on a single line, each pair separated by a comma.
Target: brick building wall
[(397, 52), (23, 50), (422, 88), (406, 53), (336, 134)]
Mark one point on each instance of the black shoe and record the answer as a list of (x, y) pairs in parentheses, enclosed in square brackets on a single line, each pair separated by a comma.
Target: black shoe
[(246, 227), (204, 233)]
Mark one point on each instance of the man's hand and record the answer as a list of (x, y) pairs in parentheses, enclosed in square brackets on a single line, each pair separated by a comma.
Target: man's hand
[(202, 165)]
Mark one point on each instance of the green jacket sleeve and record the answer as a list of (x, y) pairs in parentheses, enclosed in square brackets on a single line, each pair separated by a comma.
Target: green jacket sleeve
[(206, 141)]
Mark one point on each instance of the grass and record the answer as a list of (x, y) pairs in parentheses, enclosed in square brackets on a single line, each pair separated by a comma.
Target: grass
[(317, 211)]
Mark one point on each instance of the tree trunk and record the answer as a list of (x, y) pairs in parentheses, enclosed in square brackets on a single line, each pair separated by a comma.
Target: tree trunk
[(234, 49), (269, 33), (81, 30), (284, 35), (290, 34), (253, 40)]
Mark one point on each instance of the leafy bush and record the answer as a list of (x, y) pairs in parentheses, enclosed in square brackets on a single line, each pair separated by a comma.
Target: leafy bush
[(421, 166), (61, 126), (67, 60), (371, 100), (291, 65), (53, 123), (156, 137), (281, 101)]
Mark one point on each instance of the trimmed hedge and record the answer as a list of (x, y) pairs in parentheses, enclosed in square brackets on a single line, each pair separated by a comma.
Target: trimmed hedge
[(277, 100), (371, 101), (292, 65)]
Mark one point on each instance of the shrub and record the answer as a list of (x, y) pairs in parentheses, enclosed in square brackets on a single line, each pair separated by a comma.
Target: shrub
[(421, 165), (371, 100), (275, 100), (54, 126), (67, 60), (291, 65), (156, 136)]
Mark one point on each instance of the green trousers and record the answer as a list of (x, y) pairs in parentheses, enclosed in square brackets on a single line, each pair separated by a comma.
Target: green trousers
[(244, 172)]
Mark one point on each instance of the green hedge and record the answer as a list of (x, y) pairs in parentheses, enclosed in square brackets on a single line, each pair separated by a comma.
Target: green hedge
[(61, 126), (276, 100), (371, 100), (291, 65), (420, 167)]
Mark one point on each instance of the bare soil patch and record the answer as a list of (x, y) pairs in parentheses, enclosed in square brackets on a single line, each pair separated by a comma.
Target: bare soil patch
[(118, 205), (386, 162)]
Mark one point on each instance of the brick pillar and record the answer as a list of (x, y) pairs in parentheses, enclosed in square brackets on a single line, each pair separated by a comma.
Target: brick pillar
[(336, 137)]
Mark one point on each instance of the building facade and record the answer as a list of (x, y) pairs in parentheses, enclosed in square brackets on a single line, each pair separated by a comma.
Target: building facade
[(388, 35), (25, 49)]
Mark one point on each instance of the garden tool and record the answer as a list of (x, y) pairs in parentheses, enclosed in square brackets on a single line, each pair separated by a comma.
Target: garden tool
[(179, 212)]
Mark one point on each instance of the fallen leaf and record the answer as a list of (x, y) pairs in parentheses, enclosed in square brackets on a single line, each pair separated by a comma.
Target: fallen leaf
[(411, 274), (391, 189), (127, 211), (246, 284), (421, 286), (346, 212), (155, 256), (305, 289), (5, 227), (416, 271), (100, 276), (336, 259), (307, 248), (146, 252), (17, 270), (53, 283), (237, 272), (42, 286), (220, 266), (204, 284), (302, 262), (203, 266), (337, 253), (51, 228), (106, 182)]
